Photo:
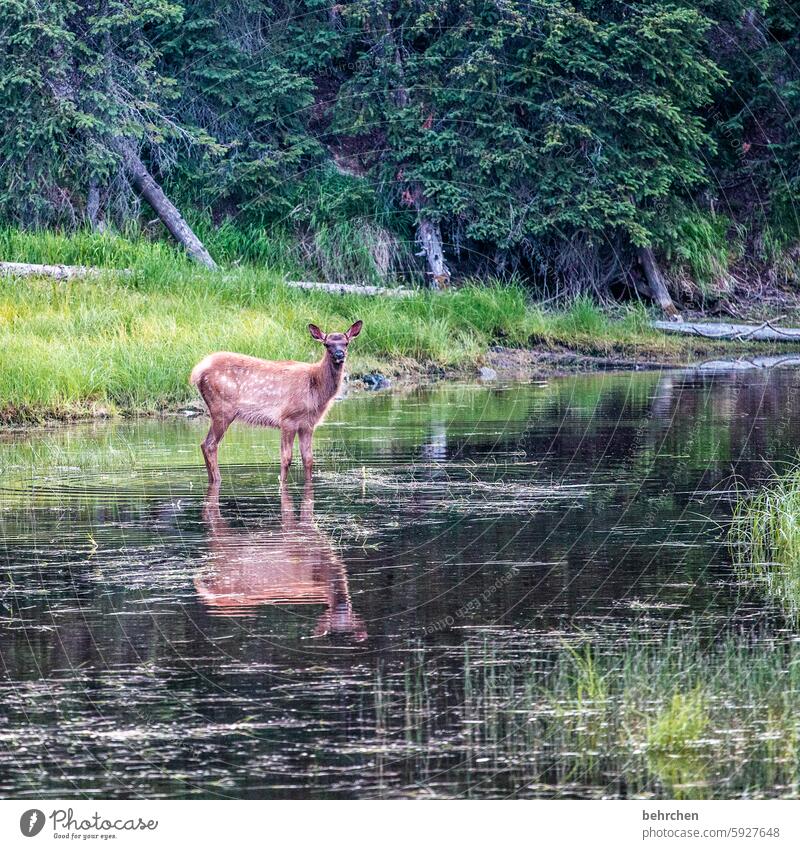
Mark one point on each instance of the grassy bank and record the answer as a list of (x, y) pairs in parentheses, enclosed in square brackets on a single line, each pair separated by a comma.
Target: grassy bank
[(128, 343)]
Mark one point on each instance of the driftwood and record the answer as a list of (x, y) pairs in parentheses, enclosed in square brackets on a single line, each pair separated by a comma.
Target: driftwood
[(749, 363), (764, 332), (351, 288), (60, 272), (65, 272)]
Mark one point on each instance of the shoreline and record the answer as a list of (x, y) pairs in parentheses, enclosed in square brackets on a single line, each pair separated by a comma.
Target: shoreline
[(507, 365), (92, 348)]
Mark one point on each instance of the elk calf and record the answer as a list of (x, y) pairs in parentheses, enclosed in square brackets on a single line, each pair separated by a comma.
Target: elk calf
[(293, 397)]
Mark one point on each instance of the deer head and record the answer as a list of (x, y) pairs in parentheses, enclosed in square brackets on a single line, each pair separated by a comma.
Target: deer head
[(336, 343)]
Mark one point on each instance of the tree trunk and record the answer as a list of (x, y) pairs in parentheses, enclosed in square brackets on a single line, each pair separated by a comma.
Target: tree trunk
[(93, 204), (658, 288), (430, 237), (143, 181), (764, 332)]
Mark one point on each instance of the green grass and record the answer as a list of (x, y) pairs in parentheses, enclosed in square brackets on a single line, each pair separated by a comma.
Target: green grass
[(766, 540), (680, 724), (703, 246), (120, 343)]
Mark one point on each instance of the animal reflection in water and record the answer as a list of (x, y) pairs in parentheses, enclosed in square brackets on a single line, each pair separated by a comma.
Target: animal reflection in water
[(293, 565)]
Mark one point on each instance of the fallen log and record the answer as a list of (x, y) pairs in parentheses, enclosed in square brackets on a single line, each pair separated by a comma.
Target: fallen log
[(65, 272), (351, 288), (764, 332), (750, 363), (60, 272)]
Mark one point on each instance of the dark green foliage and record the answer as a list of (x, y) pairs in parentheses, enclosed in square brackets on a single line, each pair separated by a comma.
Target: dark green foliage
[(72, 75), (545, 137), (247, 88), (535, 128), (757, 172)]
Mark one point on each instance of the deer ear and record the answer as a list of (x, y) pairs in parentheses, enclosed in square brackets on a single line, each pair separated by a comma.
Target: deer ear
[(354, 330), (316, 333)]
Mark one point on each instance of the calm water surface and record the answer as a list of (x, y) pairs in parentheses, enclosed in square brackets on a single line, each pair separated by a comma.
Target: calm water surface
[(157, 641)]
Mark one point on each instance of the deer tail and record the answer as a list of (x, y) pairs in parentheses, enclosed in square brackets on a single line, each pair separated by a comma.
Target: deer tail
[(198, 371)]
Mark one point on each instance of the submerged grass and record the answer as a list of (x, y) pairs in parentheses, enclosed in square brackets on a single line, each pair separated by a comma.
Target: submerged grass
[(680, 724), (127, 343), (681, 716)]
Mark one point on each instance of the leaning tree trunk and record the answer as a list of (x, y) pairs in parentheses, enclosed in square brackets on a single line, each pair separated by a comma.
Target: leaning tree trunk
[(658, 287), (430, 237), (143, 182)]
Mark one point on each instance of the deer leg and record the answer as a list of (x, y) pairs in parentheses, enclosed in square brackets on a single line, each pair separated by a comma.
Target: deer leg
[(211, 514), (287, 508), (306, 434), (209, 447), (287, 443), (307, 504)]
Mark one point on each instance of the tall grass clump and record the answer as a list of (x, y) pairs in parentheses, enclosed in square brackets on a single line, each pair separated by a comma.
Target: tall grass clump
[(766, 540), (231, 244), (680, 724), (584, 325), (107, 249), (701, 243)]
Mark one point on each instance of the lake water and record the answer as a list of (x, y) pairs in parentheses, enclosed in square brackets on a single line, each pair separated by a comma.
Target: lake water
[(353, 640)]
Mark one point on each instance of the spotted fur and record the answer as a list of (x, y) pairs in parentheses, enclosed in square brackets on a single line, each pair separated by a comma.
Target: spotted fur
[(290, 396)]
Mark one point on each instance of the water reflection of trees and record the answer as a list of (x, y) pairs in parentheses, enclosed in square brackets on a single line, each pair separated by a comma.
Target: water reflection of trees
[(644, 446), (648, 525)]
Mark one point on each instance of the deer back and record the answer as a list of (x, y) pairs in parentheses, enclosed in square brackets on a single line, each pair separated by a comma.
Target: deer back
[(272, 393)]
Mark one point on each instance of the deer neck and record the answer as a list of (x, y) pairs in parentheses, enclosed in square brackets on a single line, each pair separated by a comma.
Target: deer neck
[(329, 377)]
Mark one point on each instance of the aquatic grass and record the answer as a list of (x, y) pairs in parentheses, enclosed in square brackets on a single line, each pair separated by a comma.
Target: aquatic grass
[(680, 724), (589, 683), (765, 537), (678, 716)]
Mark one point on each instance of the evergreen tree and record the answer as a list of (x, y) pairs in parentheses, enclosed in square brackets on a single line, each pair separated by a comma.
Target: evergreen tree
[(561, 139), (539, 131), (73, 76)]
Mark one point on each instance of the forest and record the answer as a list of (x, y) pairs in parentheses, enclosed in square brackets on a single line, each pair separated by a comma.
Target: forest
[(643, 150)]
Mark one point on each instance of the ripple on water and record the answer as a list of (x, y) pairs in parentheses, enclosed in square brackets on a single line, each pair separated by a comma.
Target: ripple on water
[(479, 584)]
